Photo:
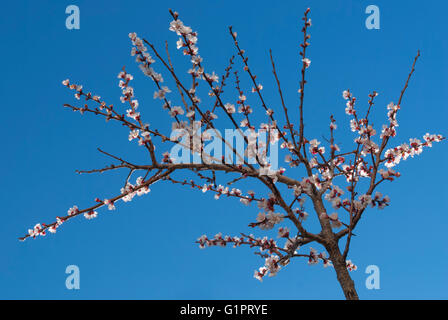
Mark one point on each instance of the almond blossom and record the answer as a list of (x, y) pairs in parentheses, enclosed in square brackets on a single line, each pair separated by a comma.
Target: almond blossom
[(291, 203)]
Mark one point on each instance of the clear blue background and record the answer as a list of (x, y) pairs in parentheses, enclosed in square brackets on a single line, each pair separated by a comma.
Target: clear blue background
[(145, 249)]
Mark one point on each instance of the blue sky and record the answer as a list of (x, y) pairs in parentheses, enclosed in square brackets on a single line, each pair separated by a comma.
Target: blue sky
[(145, 249)]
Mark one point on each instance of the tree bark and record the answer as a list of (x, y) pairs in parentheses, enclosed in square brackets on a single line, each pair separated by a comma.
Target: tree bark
[(343, 276)]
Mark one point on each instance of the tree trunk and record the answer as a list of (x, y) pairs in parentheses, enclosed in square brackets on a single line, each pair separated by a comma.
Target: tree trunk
[(346, 282)]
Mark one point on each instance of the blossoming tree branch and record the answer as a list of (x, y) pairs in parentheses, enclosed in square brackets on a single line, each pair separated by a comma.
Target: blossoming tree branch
[(331, 181)]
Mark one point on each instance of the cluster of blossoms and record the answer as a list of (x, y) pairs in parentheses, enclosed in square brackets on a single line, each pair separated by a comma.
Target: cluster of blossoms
[(73, 210), (283, 232), (392, 156), (128, 94), (379, 200), (130, 191), (161, 94), (389, 174), (273, 256), (36, 231), (220, 190), (40, 230), (303, 215), (244, 108), (90, 214), (314, 258), (361, 126), (351, 266), (306, 62), (77, 88), (266, 221), (308, 183), (187, 41), (334, 219), (315, 149), (267, 171), (363, 200), (144, 58), (271, 266), (79, 93), (265, 244), (415, 147), (389, 130), (57, 224), (109, 203), (350, 105), (167, 157), (334, 196)]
